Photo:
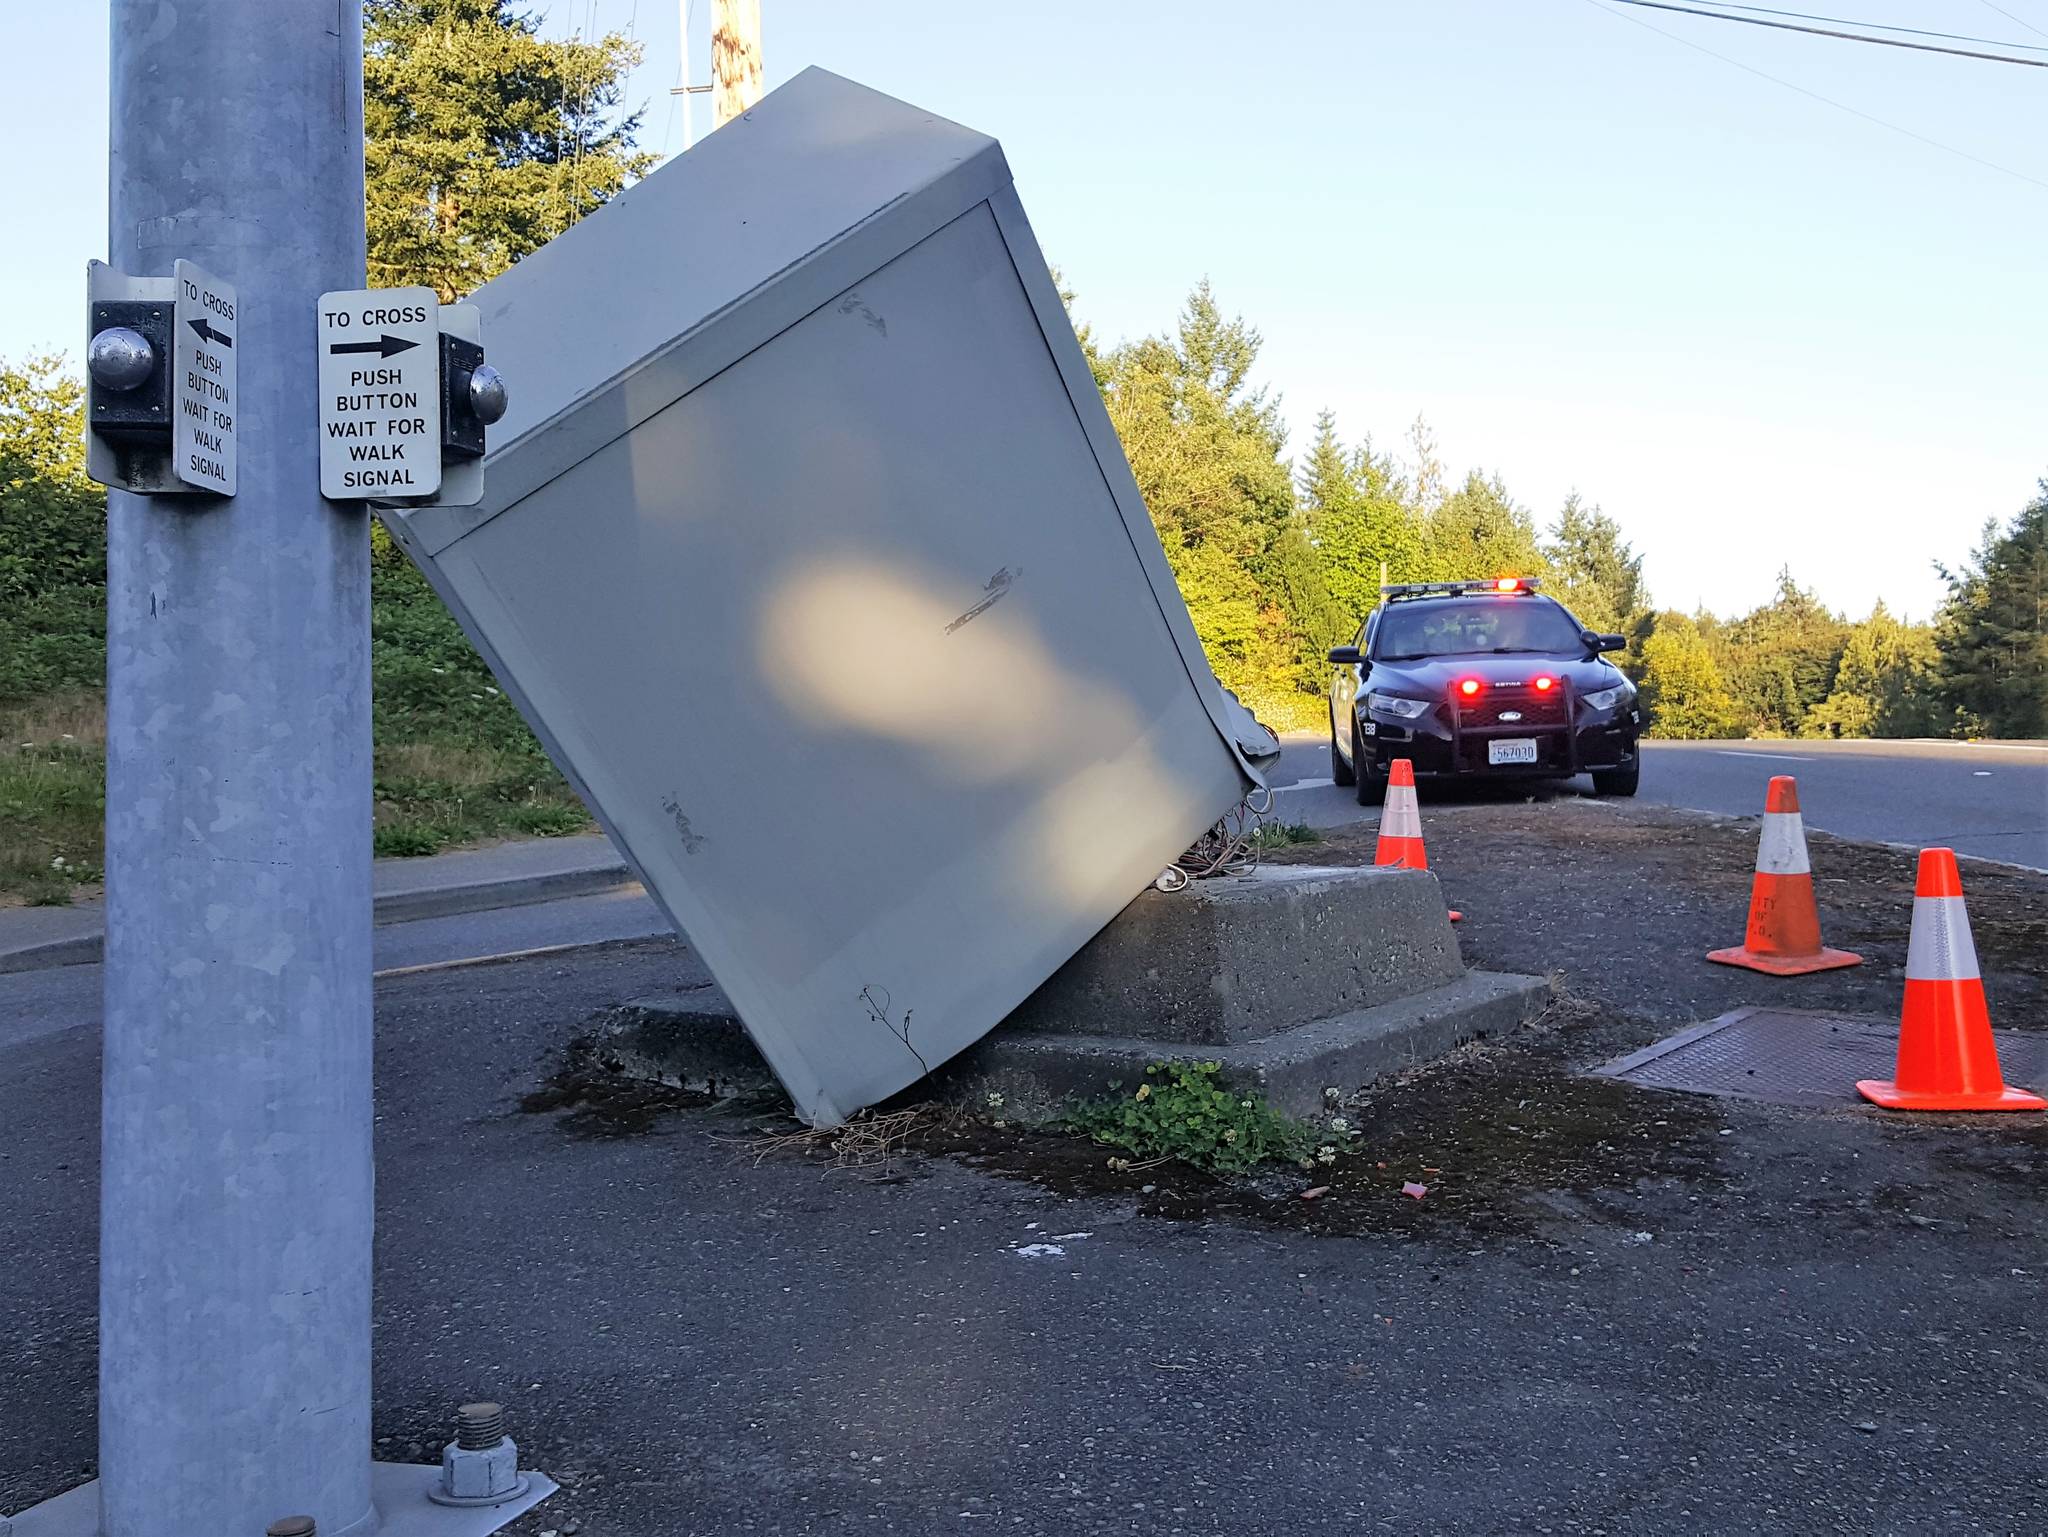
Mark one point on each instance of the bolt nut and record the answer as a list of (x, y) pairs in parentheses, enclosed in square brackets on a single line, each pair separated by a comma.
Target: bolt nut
[(481, 1465), (487, 395), (119, 358), (291, 1526)]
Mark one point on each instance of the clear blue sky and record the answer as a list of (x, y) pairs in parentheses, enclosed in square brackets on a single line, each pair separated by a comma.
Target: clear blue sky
[(1755, 328)]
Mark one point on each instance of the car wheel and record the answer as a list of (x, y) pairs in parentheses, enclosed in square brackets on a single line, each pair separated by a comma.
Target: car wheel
[(1370, 787), (1621, 781), (1340, 772)]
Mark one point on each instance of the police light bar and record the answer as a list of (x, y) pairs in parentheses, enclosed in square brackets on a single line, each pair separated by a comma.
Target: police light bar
[(1496, 584)]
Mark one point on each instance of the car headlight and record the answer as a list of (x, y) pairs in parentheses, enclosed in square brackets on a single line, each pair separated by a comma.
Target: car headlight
[(1394, 704), (1604, 698)]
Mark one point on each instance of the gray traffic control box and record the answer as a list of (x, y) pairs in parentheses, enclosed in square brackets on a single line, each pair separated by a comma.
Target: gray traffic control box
[(807, 547)]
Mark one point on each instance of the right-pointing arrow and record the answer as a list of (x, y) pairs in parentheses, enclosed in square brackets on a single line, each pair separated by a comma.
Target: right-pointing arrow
[(383, 346)]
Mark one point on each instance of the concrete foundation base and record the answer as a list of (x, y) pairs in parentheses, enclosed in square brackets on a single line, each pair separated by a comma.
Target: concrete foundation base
[(1296, 979), (398, 1490)]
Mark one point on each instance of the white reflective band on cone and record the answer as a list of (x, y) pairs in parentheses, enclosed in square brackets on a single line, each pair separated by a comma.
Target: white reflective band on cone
[(1401, 818), (1782, 850), (1941, 949)]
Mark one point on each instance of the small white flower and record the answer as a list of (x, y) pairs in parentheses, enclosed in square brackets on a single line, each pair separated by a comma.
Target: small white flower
[(1338, 1123), (1326, 1154)]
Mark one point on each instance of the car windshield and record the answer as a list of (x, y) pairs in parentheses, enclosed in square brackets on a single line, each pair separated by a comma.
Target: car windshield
[(1468, 625)]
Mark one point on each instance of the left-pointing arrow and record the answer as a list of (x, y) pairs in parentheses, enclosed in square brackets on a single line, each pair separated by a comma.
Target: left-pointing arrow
[(208, 334), (383, 347)]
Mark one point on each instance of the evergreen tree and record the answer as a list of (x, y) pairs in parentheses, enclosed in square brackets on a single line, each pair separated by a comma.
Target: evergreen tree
[(1992, 634), (1205, 446), (1596, 574), (485, 140), (1781, 659), (1885, 685), (1478, 531), (1358, 523), (1683, 694)]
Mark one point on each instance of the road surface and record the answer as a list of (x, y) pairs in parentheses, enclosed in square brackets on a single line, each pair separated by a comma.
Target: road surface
[(1985, 799), (1614, 1312)]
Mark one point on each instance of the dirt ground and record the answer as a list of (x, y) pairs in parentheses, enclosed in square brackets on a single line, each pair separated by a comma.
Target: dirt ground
[(1618, 904)]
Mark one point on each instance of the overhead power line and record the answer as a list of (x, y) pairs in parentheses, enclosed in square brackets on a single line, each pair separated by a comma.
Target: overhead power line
[(1879, 26), (2021, 20), (1854, 37), (1840, 106)]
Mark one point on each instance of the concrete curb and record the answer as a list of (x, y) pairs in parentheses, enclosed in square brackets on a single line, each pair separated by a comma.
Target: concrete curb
[(391, 907)]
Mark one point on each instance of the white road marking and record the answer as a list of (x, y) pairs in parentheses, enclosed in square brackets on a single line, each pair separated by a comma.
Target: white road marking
[(1782, 757), (1303, 784), (1980, 773)]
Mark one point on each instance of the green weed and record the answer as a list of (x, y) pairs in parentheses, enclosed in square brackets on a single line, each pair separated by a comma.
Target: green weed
[(1185, 1111)]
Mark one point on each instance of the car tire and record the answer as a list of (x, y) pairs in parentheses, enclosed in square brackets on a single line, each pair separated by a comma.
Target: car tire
[(1370, 787), (1621, 781), (1341, 772)]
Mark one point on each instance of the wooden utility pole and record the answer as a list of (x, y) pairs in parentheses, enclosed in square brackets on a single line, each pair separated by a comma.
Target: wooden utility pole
[(735, 58)]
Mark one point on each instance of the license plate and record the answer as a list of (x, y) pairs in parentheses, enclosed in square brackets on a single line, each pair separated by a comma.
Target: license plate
[(1514, 750)]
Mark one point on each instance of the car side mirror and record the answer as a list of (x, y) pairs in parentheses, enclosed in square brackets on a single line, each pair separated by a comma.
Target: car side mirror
[(1345, 656), (1596, 643)]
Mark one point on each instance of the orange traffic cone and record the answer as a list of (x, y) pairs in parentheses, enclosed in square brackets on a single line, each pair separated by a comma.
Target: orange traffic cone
[(1784, 924), (1401, 824), (1947, 1058)]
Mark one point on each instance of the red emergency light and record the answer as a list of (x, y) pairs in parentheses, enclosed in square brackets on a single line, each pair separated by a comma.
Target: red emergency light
[(1469, 687)]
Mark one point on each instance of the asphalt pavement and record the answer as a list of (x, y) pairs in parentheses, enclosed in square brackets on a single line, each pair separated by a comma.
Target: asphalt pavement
[(1617, 1311), (1985, 799)]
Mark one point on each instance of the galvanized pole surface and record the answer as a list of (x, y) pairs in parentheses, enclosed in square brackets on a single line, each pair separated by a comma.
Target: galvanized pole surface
[(236, 1177)]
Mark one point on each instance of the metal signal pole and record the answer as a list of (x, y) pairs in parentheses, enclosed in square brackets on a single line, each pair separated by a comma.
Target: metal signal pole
[(236, 1166)]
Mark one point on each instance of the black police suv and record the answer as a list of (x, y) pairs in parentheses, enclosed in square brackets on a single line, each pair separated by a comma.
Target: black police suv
[(1481, 680)]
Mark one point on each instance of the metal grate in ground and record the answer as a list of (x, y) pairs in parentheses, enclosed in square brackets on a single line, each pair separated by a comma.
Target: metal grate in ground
[(1793, 1057)]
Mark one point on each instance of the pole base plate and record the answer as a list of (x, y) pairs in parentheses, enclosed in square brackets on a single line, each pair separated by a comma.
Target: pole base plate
[(400, 1490)]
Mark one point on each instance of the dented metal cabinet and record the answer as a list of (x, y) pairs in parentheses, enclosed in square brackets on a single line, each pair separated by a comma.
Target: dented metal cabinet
[(811, 554)]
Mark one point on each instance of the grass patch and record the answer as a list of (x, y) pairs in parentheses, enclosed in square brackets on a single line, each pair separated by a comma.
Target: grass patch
[(454, 763), (1184, 1112), (52, 770), (1283, 835)]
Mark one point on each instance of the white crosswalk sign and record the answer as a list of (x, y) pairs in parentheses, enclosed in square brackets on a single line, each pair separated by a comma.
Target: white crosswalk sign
[(380, 393), (203, 330)]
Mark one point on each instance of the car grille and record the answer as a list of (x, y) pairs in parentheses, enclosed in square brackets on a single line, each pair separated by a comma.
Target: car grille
[(1544, 709)]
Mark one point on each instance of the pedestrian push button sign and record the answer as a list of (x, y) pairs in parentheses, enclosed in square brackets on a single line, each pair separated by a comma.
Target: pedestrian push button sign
[(203, 331), (380, 393)]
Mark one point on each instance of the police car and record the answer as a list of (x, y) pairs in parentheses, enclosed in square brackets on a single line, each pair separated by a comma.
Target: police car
[(1480, 680)]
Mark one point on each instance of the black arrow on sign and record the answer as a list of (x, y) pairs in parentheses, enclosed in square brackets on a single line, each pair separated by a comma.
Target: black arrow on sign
[(208, 334), (383, 346)]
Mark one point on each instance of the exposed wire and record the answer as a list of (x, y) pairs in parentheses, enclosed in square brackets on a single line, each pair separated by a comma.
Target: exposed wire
[(1879, 26), (1854, 37), (1840, 106)]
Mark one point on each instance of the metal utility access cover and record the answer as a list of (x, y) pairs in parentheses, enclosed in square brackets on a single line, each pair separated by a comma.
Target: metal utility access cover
[(809, 550), (1791, 1057)]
